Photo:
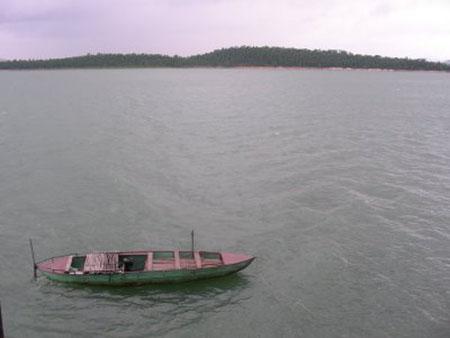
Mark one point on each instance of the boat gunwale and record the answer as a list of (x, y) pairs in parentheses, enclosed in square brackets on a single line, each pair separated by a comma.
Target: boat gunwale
[(125, 252)]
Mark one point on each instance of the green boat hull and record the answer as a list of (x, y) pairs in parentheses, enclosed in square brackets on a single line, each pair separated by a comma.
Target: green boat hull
[(147, 277)]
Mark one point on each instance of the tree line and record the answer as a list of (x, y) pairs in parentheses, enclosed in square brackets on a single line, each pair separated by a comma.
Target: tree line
[(234, 57)]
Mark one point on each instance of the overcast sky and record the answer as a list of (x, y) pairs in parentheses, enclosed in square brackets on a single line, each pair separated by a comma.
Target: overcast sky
[(56, 28)]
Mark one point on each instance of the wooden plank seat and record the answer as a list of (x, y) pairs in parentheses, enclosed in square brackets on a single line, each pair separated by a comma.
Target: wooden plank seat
[(198, 260), (149, 266)]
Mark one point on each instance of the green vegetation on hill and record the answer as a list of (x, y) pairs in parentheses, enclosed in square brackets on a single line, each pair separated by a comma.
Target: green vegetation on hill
[(233, 57)]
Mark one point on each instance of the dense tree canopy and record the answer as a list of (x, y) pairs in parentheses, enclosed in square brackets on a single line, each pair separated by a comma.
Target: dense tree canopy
[(233, 57)]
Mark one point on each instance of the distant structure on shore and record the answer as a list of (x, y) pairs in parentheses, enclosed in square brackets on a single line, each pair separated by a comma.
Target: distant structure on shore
[(235, 57)]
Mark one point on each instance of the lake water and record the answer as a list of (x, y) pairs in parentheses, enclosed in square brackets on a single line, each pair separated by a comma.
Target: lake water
[(338, 181)]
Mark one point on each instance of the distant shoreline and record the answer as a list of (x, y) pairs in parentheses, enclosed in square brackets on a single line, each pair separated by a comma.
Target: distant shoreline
[(340, 69), (291, 68), (235, 57)]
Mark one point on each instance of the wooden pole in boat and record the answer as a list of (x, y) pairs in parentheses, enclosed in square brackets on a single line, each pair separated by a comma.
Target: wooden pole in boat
[(192, 241), (2, 335), (33, 258)]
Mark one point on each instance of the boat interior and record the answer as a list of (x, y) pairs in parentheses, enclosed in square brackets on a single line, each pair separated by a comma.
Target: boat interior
[(107, 262)]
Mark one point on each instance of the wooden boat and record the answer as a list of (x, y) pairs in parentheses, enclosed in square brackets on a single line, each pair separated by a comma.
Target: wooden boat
[(141, 267)]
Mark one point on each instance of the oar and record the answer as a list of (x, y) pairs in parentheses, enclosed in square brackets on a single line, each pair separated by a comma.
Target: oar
[(192, 242), (34, 261)]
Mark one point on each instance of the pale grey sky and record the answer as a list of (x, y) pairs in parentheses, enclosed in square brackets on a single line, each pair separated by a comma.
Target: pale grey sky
[(55, 28)]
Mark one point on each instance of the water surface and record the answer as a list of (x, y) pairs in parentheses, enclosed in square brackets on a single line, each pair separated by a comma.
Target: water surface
[(338, 181)]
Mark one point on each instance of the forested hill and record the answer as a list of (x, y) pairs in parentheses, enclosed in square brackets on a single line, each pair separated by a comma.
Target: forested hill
[(233, 57)]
